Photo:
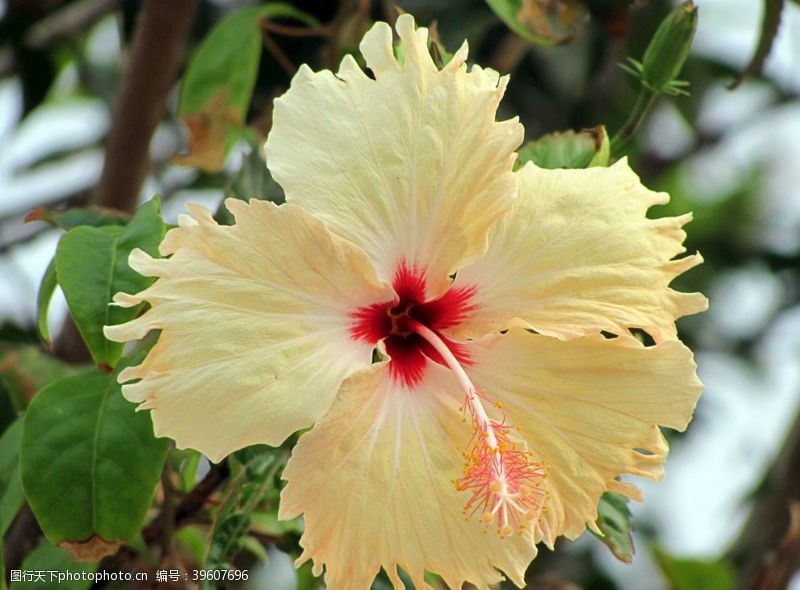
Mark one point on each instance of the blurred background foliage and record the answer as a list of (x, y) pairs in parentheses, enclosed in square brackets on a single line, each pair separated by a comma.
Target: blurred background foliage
[(90, 118)]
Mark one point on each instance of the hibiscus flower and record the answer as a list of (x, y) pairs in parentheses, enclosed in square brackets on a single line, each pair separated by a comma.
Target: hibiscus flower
[(457, 335)]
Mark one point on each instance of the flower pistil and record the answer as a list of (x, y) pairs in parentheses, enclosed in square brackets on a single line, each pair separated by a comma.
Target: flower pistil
[(506, 484)]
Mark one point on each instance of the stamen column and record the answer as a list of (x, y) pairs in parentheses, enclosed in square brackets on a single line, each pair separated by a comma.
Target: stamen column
[(506, 485)]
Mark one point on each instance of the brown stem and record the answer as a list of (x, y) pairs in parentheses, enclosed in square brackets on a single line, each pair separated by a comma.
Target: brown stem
[(770, 24), (22, 537), (126, 558), (509, 53), (61, 25), (292, 31), (782, 561), (167, 518), (155, 57), (278, 55), (191, 503), (759, 554)]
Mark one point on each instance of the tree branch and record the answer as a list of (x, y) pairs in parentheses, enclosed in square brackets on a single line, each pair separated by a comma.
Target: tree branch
[(63, 24), (155, 58), (187, 508), (758, 553)]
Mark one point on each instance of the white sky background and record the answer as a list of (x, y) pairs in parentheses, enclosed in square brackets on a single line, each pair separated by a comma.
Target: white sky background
[(745, 410)]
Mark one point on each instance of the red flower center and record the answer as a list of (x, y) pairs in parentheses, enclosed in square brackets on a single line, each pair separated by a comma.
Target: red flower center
[(389, 321)]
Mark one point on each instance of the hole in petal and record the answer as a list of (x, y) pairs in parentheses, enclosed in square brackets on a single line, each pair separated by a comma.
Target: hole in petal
[(642, 336)]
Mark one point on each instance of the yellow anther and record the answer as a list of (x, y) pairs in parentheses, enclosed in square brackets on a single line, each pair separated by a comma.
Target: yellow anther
[(495, 486), (530, 515), (487, 517)]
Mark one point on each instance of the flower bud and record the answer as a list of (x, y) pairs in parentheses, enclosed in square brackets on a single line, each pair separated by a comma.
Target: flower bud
[(667, 51)]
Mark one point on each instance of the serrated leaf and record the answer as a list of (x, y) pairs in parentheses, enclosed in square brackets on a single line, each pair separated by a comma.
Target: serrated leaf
[(256, 470), (92, 265), (12, 495), (219, 82), (89, 462), (46, 289), (568, 149), (615, 522), (542, 22), (46, 559), (690, 574)]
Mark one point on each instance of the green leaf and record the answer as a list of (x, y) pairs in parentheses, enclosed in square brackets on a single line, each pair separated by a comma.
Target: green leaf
[(77, 216), (25, 370), (188, 461), (11, 494), (541, 23), (689, 574), (193, 541), (568, 149), (306, 580), (614, 521), (256, 549), (92, 265), (602, 154), (49, 560), (253, 181), (89, 461), (219, 82), (46, 289), (267, 523)]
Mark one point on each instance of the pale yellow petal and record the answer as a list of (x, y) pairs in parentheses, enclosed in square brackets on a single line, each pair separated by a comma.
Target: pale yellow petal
[(254, 324), (373, 481), (410, 165), (576, 255), (590, 410)]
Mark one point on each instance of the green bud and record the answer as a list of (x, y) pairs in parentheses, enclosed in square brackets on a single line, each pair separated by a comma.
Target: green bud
[(668, 50)]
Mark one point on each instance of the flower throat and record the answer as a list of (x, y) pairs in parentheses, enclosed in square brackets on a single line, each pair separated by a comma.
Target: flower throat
[(506, 485)]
